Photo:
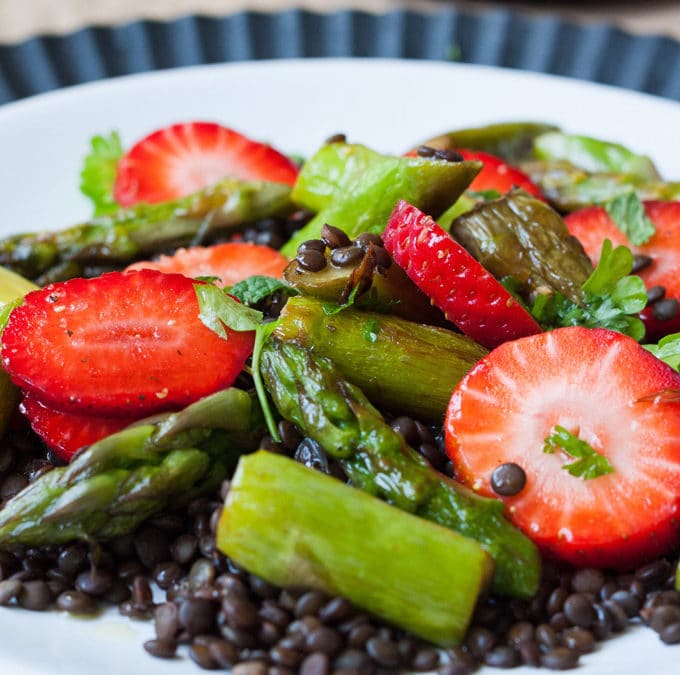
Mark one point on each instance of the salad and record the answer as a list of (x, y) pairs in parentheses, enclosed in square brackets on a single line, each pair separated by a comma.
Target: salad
[(385, 324)]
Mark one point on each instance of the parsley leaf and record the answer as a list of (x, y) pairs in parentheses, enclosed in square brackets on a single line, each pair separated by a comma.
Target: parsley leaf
[(628, 213), (217, 310), (612, 298), (98, 173), (668, 350), (589, 463), (256, 288), (331, 308)]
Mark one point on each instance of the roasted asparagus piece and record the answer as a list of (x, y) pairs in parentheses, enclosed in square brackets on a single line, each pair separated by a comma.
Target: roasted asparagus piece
[(311, 392), (142, 230), (522, 237), (113, 485), (297, 527), (355, 188), (513, 141), (570, 188), (594, 155), (387, 349)]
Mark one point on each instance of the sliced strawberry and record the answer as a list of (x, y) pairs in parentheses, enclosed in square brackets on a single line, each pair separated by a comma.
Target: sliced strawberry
[(592, 225), (121, 344), (66, 433), (498, 175), (453, 280), (231, 262), (185, 158), (608, 391)]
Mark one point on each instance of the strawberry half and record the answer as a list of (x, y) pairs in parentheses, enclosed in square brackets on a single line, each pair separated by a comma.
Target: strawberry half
[(454, 281), (66, 433), (498, 175), (231, 262), (184, 158), (606, 390), (120, 345)]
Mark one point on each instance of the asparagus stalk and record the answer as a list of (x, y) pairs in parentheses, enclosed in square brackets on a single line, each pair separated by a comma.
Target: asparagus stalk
[(295, 527), (310, 392), (594, 155), (512, 141), (570, 188), (111, 486), (389, 350), (521, 237), (142, 230), (380, 289), (355, 189)]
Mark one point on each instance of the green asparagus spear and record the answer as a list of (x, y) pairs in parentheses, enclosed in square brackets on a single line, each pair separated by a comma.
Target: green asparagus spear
[(111, 486), (594, 155), (142, 230), (355, 189), (310, 392), (512, 141), (387, 348), (570, 188), (296, 527), (521, 237)]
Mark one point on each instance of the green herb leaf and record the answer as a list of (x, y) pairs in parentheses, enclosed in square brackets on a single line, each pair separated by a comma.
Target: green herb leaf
[(263, 331), (590, 463), (668, 350), (612, 298), (371, 330), (331, 308), (217, 310), (628, 213), (98, 173), (254, 289)]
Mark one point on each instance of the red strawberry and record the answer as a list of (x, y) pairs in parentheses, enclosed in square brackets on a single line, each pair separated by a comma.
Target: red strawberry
[(122, 344), (185, 158), (231, 262), (610, 392), (498, 175), (592, 225), (453, 280), (65, 433)]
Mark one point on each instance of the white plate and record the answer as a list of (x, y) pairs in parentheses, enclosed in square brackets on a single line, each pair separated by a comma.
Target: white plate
[(390, 105)]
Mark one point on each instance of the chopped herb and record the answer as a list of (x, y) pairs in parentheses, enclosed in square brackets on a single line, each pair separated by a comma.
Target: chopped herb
[(254, 289), (98, 174), (628, 213), (371, 330), (217, 310), (668, 350), (589, 463), (331, 308), (612, 298)]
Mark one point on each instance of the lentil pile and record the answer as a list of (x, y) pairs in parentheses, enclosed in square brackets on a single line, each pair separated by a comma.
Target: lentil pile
[(228, 618)]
